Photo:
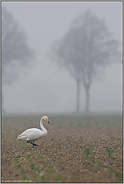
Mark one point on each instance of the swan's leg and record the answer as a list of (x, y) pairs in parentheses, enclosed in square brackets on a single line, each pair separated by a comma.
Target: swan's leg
[(32, 142)]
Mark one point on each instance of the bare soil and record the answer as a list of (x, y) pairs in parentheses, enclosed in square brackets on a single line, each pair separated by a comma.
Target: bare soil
[(76, 149)]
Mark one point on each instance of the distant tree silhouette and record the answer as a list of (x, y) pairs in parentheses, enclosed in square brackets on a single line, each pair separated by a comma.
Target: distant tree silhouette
[(85, 50), (16, 53)]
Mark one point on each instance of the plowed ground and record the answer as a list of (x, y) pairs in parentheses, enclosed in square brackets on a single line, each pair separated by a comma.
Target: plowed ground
[(76, 149)]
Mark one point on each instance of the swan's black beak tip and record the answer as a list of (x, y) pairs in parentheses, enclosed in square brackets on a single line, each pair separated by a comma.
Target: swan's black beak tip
[(48, 122)]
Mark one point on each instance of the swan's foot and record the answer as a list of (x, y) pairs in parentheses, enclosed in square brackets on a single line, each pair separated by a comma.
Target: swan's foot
[(32, 143)]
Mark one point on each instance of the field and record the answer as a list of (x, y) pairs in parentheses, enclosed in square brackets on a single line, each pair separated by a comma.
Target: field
[(76, 149)]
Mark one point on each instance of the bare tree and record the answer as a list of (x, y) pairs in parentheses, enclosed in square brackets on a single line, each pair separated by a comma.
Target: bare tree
[(85, 50), (16, 54), (66, 54), (97, 49)]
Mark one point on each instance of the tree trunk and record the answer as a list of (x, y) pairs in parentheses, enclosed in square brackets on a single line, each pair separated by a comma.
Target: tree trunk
[(78, 96), (87, 107)]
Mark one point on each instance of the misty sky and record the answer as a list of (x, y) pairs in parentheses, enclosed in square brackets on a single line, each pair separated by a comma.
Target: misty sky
[(47, 88)]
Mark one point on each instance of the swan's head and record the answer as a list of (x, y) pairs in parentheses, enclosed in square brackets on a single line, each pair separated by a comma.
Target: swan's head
[(46, 119)]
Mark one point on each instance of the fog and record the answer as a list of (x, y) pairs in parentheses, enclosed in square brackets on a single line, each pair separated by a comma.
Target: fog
[(47, 88)]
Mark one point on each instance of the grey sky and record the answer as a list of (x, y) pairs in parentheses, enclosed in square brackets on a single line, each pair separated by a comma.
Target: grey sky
[(47, 88)]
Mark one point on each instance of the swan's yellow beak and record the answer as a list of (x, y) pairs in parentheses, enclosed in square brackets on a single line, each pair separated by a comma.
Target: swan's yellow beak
[(47, 121)]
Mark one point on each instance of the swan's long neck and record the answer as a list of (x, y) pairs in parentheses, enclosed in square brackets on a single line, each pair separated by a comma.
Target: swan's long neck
[(42, 127)]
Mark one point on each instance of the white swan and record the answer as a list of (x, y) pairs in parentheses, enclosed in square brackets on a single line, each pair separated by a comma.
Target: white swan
[(32, 134)]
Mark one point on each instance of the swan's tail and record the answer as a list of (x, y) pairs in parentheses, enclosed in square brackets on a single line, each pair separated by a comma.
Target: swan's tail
[(22, 137)]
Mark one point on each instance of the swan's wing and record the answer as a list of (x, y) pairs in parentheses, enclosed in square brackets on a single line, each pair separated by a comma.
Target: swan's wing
[(31, 134)]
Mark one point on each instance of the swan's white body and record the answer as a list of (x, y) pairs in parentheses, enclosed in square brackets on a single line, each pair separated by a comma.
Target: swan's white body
[(33, 134)]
